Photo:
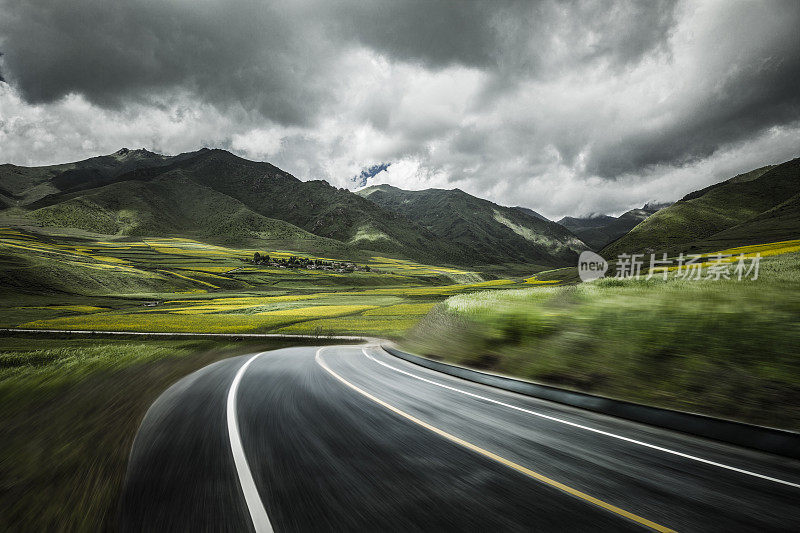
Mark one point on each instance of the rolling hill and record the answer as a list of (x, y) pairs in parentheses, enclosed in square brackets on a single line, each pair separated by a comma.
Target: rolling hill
[(489, 232), (169, 204), (756, 207)]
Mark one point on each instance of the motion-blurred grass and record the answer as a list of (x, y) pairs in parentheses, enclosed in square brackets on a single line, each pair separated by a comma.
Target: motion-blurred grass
[(69, 410), (726, 348)]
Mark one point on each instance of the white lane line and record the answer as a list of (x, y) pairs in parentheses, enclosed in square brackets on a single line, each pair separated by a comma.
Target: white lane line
[(493, 456), (251, 497), (573, 424)]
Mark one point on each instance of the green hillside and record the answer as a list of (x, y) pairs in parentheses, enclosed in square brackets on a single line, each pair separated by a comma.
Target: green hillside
[(748, 208), (21, 186), (779, 223), (489, 232), (318, 207), (170, 204), (531, 212), (720, 347)]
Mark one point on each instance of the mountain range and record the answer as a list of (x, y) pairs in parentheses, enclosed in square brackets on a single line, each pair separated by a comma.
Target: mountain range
[(217, 195), (485, 230)]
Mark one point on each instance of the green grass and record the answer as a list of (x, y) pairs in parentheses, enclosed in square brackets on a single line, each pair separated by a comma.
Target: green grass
[(70, 409), (723, 348), (167, 205)]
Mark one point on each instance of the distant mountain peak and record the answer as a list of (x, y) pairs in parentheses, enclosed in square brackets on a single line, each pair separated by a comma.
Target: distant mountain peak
[(127, 153), (590, 220), (385, 187)]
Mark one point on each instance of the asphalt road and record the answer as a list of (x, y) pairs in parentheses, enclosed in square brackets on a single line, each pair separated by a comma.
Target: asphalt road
[(350, 438)]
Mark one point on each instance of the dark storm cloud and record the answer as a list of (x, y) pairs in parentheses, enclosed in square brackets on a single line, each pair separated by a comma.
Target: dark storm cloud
[(279, 59), (701, 131), (742, 89), (512, 42), (518, 37), (242, 52), (499, 96), (435, 33)]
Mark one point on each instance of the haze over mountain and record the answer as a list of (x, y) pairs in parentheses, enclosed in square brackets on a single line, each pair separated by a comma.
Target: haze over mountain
[(489, 231), (215, 194), (759, 206), (600, 230)]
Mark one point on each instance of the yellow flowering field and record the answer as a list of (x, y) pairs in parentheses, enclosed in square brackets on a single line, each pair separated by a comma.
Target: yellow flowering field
[(73, 308), (401, 309), (181, 284)]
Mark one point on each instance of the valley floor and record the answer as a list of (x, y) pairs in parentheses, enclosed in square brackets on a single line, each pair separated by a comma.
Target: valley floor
[(64, 282)]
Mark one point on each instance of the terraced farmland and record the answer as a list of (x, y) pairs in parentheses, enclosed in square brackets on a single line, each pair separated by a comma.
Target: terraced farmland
[(181, 285)]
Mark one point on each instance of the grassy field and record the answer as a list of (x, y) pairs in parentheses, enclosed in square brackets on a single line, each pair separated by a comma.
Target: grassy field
[(57, 281), (726, 348), (70, 409)]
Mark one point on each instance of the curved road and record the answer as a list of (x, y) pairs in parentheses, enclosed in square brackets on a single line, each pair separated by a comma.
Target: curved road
[(351, 438)]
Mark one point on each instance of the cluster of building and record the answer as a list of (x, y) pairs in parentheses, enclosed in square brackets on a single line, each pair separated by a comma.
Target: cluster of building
[(309, 264)]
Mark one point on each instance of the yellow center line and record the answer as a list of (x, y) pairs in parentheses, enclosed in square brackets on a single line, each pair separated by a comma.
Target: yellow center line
[(486, 453)]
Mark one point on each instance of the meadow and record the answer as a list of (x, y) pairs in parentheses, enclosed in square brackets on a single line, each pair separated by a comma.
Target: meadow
[(57, 281), (721, 347)]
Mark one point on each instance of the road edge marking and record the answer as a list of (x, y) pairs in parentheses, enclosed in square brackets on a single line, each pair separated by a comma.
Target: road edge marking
[(587, 428), (258, 513), (486, 453)]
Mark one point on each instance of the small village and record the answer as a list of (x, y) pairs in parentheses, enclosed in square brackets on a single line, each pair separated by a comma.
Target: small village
[(309, 264)]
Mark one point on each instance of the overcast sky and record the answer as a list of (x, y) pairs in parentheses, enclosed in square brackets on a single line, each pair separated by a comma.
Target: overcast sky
[(565, 107)]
